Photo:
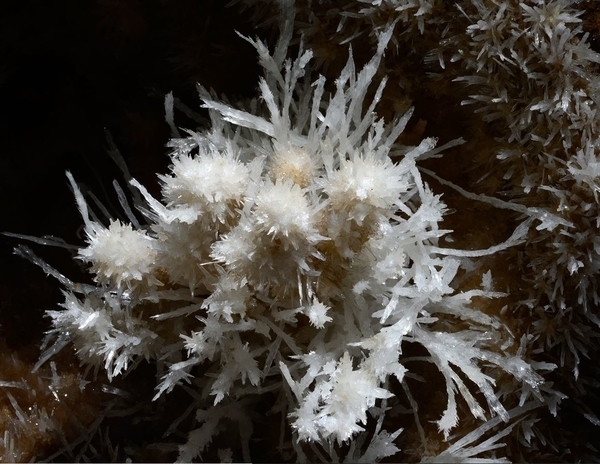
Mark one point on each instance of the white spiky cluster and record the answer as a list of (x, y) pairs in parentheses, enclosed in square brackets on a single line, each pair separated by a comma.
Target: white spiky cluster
[(119, 254), (295, 252)]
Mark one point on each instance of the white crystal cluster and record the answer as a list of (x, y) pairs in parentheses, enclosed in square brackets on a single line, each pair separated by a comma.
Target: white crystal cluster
[(294, 253)]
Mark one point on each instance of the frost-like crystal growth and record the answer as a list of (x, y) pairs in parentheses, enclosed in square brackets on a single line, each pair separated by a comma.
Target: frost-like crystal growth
[(199, 183), (119, 254), (295, 254)]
